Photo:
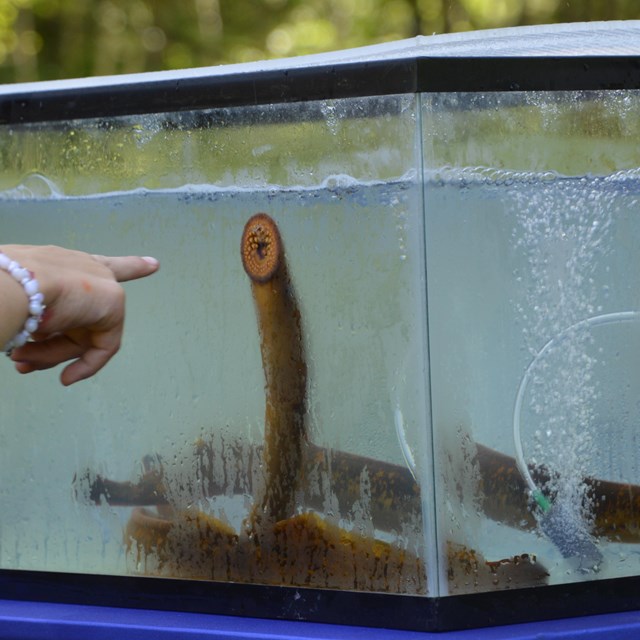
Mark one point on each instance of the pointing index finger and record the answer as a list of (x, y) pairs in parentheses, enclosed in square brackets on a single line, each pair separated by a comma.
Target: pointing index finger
[(129, 267)]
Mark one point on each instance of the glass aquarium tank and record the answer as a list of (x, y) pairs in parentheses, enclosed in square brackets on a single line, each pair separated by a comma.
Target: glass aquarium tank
[(389, 371)]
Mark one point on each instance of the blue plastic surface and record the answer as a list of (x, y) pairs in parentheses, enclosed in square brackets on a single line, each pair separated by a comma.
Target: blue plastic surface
[(36, 620)]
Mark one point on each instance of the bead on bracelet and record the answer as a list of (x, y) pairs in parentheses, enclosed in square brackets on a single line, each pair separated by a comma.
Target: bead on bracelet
[(36, 301)]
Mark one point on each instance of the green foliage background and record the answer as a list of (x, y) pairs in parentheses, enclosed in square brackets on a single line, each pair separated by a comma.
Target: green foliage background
[(45, 39)]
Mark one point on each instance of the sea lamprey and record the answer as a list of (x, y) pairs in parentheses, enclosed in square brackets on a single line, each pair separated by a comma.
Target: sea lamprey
[(501, 490), (283, 363)]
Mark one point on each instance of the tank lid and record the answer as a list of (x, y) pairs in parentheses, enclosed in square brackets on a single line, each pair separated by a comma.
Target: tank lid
[(580, 56), (614, 38)]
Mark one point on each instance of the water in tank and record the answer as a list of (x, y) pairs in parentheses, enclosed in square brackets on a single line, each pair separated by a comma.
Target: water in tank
[(392, 349)]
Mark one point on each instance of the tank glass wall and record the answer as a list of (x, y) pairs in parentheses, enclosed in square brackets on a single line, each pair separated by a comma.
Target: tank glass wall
[(455, 318), (159, 464), (532, 229)]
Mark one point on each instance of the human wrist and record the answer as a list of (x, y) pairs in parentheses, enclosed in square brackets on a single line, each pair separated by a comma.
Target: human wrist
[(35, 300)]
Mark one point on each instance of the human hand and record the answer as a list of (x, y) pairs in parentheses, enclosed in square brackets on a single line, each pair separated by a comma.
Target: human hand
[(85, 308)]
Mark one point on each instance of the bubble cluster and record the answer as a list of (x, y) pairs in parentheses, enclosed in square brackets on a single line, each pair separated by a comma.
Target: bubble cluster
[(562, 231)]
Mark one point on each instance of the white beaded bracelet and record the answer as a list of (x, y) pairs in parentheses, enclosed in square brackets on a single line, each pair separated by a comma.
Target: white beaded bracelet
[(36, 301)]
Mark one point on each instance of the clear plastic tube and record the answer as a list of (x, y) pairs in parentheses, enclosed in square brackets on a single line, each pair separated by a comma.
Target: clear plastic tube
[(607, 318)]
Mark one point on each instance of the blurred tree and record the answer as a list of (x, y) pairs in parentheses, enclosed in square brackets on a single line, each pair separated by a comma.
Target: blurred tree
[(43, 39)]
